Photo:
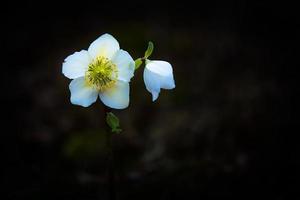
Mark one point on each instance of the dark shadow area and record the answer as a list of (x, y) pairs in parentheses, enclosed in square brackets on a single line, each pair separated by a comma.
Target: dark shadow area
[(228, 129)]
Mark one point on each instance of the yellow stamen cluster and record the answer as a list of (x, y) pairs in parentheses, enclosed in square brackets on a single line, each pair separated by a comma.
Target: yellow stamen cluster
[(102, 74)]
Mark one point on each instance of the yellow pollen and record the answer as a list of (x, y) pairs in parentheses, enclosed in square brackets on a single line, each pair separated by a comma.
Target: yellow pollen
[(102, 74)]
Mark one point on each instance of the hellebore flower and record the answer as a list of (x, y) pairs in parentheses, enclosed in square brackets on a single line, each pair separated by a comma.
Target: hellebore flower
[(103, 70), (158, 74)]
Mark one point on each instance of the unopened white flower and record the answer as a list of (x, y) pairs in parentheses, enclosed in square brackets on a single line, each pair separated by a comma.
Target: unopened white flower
[(158, 74), (103, 70)]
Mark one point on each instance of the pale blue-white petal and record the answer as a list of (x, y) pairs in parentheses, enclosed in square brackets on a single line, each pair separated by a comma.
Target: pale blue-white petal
[(116, 97), (105, 46), (125, 65), (76, 64), (158, 74), (81, 93), (152, 83)]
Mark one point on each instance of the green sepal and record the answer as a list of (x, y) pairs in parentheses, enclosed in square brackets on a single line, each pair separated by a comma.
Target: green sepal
[(149, 50), (113, 122), (138, 63)]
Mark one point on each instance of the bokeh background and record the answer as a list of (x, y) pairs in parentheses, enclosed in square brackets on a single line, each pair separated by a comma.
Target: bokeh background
[(226, 130)]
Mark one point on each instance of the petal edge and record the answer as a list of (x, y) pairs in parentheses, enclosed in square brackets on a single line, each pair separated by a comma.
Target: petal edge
[(76, 64), (105, 45), (125, 65), (117, 97), (81, 94)]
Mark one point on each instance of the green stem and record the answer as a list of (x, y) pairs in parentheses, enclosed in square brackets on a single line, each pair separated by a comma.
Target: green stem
[(110, 163)]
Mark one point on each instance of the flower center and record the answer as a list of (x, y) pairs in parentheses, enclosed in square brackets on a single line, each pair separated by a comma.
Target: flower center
[(101, 74)]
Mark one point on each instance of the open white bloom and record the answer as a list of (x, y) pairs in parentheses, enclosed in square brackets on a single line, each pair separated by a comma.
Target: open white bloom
[(158, 74), (103, 70)]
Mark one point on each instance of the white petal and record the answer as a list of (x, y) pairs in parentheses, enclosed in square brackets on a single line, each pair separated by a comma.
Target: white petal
[(152, 83), (125, 65), (158, 74), (117, 97), (76, 64), (81, 94), (106, 46)]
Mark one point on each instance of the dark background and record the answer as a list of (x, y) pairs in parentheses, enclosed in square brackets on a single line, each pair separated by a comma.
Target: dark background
[(228, 129)]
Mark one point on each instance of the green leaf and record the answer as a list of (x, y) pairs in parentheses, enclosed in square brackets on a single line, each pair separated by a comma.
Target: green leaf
[(113, 122), (149, 50), (116, 130), (138, 63)]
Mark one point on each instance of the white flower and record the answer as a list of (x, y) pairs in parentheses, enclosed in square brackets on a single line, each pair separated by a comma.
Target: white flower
[(158, 74), (103, 70)]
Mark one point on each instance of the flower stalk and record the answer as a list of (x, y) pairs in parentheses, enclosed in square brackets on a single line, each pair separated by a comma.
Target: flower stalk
[(112, 195), (110, 168), (139, 61)]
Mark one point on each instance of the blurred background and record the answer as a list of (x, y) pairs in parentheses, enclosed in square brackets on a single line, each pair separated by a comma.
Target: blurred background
[(228, 129)]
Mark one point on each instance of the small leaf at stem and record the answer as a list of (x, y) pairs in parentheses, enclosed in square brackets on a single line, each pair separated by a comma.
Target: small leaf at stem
[(138, 63), (117, 130), (149, 50), (113, 122)]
